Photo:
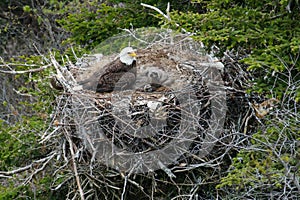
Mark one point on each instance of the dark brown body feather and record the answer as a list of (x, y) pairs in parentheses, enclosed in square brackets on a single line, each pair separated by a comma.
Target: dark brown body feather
[(116, 76)]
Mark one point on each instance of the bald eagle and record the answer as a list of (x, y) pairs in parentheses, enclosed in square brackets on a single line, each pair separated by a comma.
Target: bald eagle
[(119, 74)]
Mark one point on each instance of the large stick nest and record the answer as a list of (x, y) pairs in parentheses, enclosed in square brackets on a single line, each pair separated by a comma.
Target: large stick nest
[(155, 123)]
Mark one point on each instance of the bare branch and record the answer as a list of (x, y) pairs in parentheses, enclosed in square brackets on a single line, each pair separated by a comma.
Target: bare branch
[(157, 10), (71, 148), (166, 16), (21, 169), (25, 71)]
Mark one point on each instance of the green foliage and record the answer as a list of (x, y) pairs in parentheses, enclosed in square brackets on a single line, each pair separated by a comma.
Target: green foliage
[(268, 163), (263, 29), (97, 21), (19, 140), (8, 193), (91, 22), (17, 145), (268, 35), (26, 8), (116, 43), (273, 153), (39, 189)]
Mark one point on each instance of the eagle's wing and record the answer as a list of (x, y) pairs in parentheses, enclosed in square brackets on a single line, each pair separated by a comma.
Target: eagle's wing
[(91, 82), (117, 76)]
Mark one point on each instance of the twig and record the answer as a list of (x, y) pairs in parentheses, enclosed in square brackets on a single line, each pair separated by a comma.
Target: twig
[(75, 166), (124, 187), (166, 170), (133, 35), (21, 94), (48, 159), (21, 169), (26, 71), (167, 16), (157, 10), (45, 138), (60, 77)]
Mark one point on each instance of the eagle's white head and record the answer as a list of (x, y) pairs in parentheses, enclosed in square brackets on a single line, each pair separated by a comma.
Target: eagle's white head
[(127, 55)]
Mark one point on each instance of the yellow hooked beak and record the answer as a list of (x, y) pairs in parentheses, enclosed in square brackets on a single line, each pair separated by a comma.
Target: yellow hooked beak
[(132, 54)]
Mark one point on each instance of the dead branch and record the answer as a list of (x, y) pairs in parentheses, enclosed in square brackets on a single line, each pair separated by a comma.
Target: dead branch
[(45, 161), (25, 71)]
